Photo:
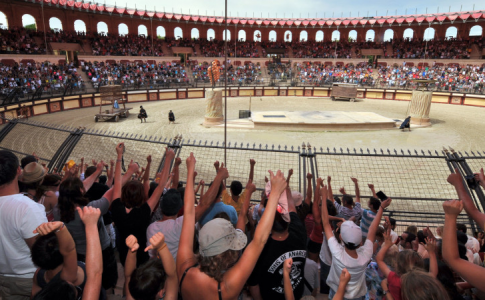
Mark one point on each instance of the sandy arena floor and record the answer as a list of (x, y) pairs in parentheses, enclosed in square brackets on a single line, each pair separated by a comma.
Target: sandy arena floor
[(455, 126)]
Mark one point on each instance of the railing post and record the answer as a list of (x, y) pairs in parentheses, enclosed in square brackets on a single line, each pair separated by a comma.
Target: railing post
[(7, 128), (62, 154)]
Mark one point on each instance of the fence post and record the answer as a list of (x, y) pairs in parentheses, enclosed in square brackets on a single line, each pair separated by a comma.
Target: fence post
[(7, 128), (306, 153), (176, 145), (61, 155)]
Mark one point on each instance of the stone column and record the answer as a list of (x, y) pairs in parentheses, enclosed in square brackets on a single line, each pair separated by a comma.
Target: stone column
[(420, 107), (213, 111)]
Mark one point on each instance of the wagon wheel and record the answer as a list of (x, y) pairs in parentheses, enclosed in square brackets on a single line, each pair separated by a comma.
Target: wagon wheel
[(117, 118), (333, 98), (352, 100), (127, 113), (96, 119)]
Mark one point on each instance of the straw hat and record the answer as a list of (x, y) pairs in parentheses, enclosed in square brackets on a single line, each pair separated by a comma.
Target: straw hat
[(32, 172)]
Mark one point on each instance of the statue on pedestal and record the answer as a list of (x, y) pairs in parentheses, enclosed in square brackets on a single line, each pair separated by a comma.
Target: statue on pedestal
[(214, 72)]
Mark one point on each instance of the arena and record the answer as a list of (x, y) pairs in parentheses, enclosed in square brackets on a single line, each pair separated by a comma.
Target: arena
[(87, 182)]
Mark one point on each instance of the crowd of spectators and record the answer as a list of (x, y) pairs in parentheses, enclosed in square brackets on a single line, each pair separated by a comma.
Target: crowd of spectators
[(30, 76), (21, 41), (434, 49), (61, 231), (249, 73), (320, 74), (134, 74), (127, 45), (312, 49)]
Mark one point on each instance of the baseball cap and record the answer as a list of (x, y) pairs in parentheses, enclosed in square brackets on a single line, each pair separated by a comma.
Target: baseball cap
[(218, 236), (351, 233), (297, 197), (171, 202)]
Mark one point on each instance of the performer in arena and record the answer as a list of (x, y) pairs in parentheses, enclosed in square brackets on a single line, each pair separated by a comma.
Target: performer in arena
[(171, 117), (143, 114)]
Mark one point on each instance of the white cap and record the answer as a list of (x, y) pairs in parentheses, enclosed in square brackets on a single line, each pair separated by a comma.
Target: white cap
[(351, 233), (297, 198)]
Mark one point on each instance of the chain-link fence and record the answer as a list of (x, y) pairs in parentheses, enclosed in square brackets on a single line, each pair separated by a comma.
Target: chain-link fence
[(415, 181)]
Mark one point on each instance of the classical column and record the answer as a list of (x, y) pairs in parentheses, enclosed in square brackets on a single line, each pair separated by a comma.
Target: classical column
[(213, 111), (420, 107)]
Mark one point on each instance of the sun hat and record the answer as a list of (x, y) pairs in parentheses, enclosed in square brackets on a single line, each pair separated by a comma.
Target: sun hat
[(218, 236), (282, 202), (32, 172), (351, 233)]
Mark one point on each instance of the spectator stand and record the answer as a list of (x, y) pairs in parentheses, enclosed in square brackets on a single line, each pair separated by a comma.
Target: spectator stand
[(412, 179)]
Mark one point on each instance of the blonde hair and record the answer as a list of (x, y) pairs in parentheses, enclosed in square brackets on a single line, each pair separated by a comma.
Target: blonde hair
[(420, 285), (408, 260)]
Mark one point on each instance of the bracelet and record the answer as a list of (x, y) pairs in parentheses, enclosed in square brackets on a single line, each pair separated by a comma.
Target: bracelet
[(161, 248), (62, 227), (119, 160)]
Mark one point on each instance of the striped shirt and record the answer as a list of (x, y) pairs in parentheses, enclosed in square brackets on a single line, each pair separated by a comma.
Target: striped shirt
[(367, 217), (348, 213)]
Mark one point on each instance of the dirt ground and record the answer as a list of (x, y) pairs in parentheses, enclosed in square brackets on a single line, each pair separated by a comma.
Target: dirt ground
[(455, 126)]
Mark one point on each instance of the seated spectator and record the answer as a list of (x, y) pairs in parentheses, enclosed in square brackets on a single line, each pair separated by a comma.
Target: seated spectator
[(348, 209)]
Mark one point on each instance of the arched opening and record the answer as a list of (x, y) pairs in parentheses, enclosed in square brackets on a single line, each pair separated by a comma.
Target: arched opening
[(370, 35), (226, 33), (388, 35), (288, 36), (194, 34), (272, 36), (408, 34), (102, 28), (476, 30), (353, 36), (160, 32), (79, 26), (319, 36), (142, 30), (122, 29), (28, 22), (451, 33), (211, 35), (55, 24), (257, 36), (335, 36), (429, 34), (3, 21), (178, 33), (241, 36), (303, 36)]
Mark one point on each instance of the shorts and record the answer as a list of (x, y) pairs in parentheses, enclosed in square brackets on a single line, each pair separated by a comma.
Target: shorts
[(314, 247)]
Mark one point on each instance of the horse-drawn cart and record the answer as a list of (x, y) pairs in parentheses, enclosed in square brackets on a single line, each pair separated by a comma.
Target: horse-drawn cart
[(344, 91), (112, 95)]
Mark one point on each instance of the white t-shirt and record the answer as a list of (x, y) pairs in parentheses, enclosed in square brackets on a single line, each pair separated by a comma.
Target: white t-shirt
[(171, 229), (19, 217), (325, 255), (356, 267), (311, 275), (394, 236)]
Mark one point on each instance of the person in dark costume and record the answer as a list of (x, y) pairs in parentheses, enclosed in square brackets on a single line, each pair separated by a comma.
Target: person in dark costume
[(143, 114), (171, 117)]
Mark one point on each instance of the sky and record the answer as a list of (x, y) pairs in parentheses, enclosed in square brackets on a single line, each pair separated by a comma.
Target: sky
[(292, 8)]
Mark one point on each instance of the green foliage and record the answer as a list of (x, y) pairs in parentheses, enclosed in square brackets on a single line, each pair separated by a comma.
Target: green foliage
[(31, 27)]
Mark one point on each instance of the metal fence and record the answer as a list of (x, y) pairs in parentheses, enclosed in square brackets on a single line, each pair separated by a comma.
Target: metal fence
[(415, 180)]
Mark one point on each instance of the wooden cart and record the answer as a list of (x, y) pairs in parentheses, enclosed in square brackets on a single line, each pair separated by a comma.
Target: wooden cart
[(110, 95), (344, 91)]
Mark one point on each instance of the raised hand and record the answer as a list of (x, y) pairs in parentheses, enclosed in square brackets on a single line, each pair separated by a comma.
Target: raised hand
[(354, 180), (480, 177), (100, 166), (287, 265), (385, 204), (178, 161), (169, 154), (290, 172), (319, 181), (345, 276), (252, 162), (454, 178), (329, 179), (453, 207), (156, 242), (250, 187), (89, 215), (120, 148), (133, 167), (266, 179), (342, 191), (132, 243), (387, 237), (309, 176), (278, 182), (371, 186), (48, 227), (216, 164), (94, 162), (430, 245), (190, 161), (224, 172)]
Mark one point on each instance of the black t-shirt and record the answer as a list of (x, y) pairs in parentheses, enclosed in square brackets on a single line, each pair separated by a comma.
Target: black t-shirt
[(268, 272), (96, 192), (135, 222)]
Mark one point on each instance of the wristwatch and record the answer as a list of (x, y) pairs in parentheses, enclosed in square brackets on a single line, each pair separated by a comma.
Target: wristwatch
[(384, 292)]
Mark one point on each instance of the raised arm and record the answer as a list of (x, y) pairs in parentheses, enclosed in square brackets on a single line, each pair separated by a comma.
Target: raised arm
[(329, 190), (185, 254), (480, 177), (357, 190), (109, 183), (472, 273), (130, 263), (327, 229), (372, 189), (241, 219), (286, 279), (157, 193), (290, 173), (67, 248), (433, 261), (252, 162), (317, 217), (371, 235), (308, 196), (176, 173), (209, 197), (94, 256), (146, 176), (455, 180), (171, 284), (382, 253), (88, 182), (344, 280), (235, 278)]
